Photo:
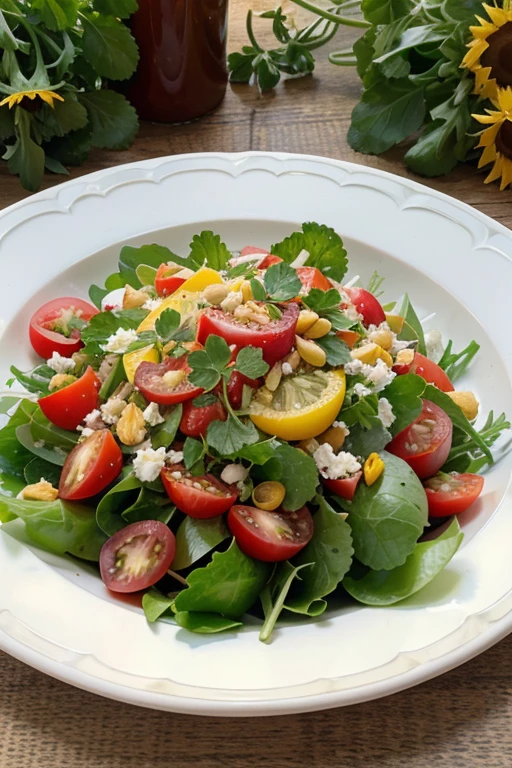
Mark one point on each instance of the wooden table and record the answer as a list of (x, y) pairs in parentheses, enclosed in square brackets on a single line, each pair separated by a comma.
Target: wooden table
[(461, 719)]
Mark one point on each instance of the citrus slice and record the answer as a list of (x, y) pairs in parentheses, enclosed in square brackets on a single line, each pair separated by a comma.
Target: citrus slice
[(183, 302), (303, 406), (132, 360), (201, 280)]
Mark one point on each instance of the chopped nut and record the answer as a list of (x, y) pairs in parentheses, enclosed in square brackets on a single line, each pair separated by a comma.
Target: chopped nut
[(310, 352), (370, 353), (215, 294), (232, 301), (41, 491), (306, 319), (405, 357), (318, 329), (61, 380), (293, 360), (131, 428), (247, 291), (173, 379), (274, 377), (133, 298), (383, 337), (467, 402)]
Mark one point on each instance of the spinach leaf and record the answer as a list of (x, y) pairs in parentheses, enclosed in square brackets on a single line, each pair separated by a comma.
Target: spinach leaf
[(388, 517), (204, 623), (42, 428), (258, 453), (163, 435), (114, 378), (55, 454), (128, 502), (149, 505), (37, 380), (282, 282), (425, 562), (363, 412), (131, 258), (105, 324), (59, 526), (325, 248), (229, 584), (39, 468), (193, 451), (412, 320), (10, 487), (336, 351), (13, 455), (274, 595), (456, 364), (362, 442), (112, 283), (155, 605), (330, 554), (195, 538), (296, 471), (404, 395), (228, 437)]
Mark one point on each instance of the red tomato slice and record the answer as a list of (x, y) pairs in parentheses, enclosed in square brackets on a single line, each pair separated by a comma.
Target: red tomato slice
[(236, 388), (196, 420), (49, 329), (452, 494), (150, 378), (426, 443), (275, 339), (269, 260), (311, 277), (90, 466), (67, 407), (367, 305), (270, 536), (200, 497), (138, 556), (428, 370), (166, 280), (344, 488)]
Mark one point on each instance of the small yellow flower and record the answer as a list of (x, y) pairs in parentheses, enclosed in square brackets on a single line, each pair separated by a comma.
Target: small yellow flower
[(45, 95), (496, 140), (373, 468), (490, 51)]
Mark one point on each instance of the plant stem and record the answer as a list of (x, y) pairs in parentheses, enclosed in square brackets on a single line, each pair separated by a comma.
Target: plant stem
[(342, 20), (177, 577), (250, 33)]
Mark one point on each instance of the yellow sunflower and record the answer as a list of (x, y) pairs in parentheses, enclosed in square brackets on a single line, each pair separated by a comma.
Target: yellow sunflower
[(45, 95), (490, 51), (497, 138)]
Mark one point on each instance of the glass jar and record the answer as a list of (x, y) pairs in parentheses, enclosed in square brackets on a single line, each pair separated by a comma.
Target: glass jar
[(182, 71)]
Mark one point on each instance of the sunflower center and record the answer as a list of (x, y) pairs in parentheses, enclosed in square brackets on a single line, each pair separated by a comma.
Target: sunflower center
[(498, 55), (504, 139)]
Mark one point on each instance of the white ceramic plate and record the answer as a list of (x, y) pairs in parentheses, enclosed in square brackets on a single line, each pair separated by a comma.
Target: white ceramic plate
[(56, 616)]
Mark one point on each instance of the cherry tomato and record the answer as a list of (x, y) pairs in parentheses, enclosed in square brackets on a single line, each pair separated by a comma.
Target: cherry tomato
[(426, 443), (51, 327), (270, 536), (268, 261), (67, 407), (236, 388), (367, 305), (344, 488), (275, 339), (167, 281), (200, 497), (311, 277), (150, 378), (196, 420), (428, 370), (452, 494), (90, 466), (138, 556)]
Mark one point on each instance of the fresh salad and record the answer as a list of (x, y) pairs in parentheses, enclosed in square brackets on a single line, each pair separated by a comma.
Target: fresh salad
[(235, 434)]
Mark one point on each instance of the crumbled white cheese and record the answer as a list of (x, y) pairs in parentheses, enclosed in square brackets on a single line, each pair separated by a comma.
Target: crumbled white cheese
[(234, 473), (434, 344), (233, 300), (361, 391), (385, 412), (380, 376), (343, 426), (86, 432), (60, 364), (113, 300), (351, 312), (286, 369), (175, 457), (152, 415), (92, 417), (148, 463), (356, 368), (152, 304), (398, 346), (335, 466), (119, 342), (112, 409)]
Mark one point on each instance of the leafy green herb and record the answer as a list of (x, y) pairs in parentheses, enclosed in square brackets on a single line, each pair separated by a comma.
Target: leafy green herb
[(37, 380), (112, 283), (411, 321), (195, 538), (163, 434), (52, 453), (296, 471), (230, 436), (321, 301), (258, 290), (13, 455), (465, 455), (325, 248), (228, 585), (404, 395), (204, 623), (105, 324), (363, 412), (114, 378), (156, 606), (39, 468), (207, 248), (242, 270), (167, 324), (258, 453), (249, 361), (193, 451), (425, 562), (375, 283), (388, 517), (128, 502), (456, 364), (207, 365), (130, 259), (337, 352), (281, 282), (274, 595), (274, 312), (203, 400), (362, 442)]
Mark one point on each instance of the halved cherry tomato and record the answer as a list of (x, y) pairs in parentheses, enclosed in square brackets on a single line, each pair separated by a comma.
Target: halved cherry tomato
[(428, 370), (67, 407), (349, 337), (452, 494), (311, 277), (367, 305), (270, 536), (269, 259), (236, 388), (200, 497), (344, 488), (90, 466), (426, 443), (275, 339), (50, 330), (196, 420), (150, 379), (138, 556), (167, 280)]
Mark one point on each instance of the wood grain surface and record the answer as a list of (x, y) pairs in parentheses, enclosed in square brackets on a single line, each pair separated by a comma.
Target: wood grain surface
[(463, 719)]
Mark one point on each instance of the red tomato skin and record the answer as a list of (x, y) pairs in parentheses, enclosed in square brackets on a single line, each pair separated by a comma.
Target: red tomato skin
[(427, 463), (147, 373), (195, 421), (253, 543), (275, 339), (107, 464), (431, 372), (269, 261), (165, 286), (44, 341), (236, 388), (367, 306), (194, 502), (311, 277), (443, 504), (344, 488), (108, 555), (67, 407)]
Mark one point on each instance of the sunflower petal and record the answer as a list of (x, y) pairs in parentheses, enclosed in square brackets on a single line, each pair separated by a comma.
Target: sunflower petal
[(497, 15), (477, 48), (496, 171), (505, 99), (488, 156), (488, 137), (506, 177)]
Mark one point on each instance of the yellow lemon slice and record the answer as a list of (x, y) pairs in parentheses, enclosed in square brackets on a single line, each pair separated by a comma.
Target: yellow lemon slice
[(303, 406), (201, 280), (132, 360), (183, 302)]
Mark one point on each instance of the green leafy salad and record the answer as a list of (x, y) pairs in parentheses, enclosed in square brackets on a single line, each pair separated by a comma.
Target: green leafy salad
[(232, 434)]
